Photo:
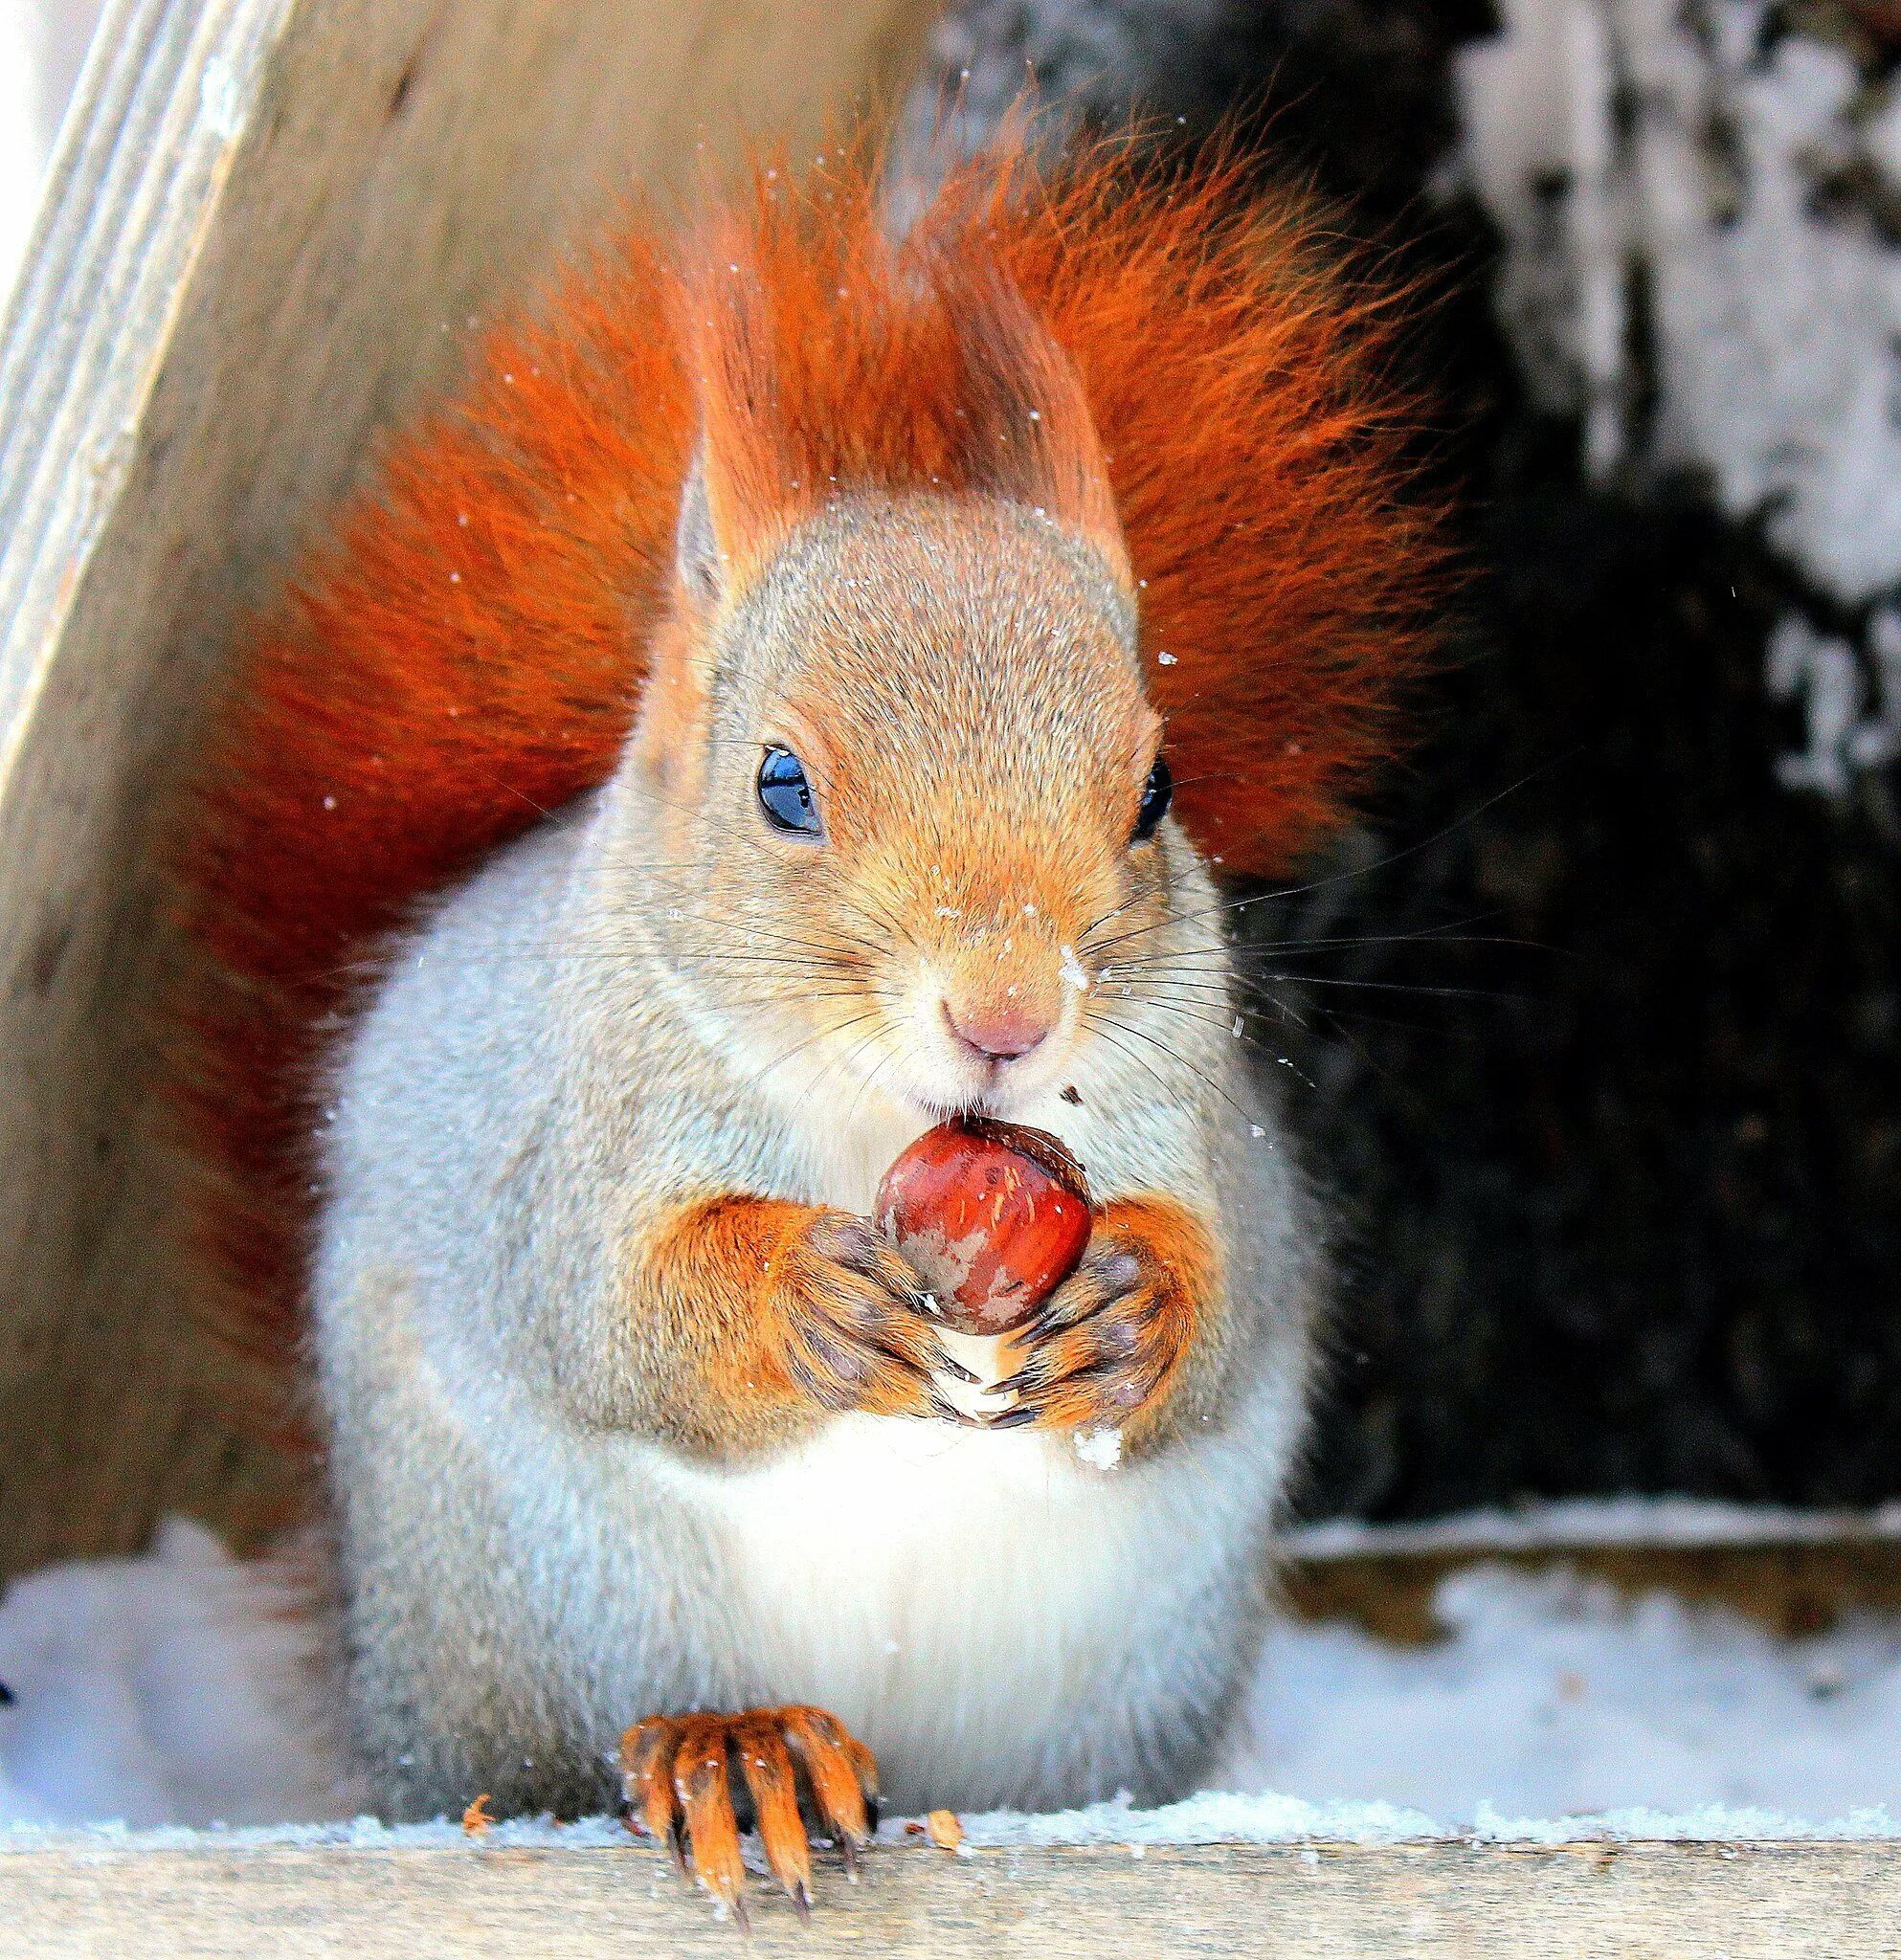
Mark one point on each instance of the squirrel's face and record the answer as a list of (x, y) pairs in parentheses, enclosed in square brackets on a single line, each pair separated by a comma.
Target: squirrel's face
[(915, 789)]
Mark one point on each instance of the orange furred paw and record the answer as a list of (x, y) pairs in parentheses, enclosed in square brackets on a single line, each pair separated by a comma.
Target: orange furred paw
[(680, 1773), (1109, 1350), (789, 1304)]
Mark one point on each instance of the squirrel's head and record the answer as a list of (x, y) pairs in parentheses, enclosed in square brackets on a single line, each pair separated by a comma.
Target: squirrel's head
[(900, 749)]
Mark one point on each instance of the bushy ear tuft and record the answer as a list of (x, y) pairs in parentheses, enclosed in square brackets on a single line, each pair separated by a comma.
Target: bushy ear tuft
[(1032, 438), (752, 479)]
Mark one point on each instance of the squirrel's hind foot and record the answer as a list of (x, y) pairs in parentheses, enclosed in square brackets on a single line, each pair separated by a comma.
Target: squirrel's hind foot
[(678, 1771)]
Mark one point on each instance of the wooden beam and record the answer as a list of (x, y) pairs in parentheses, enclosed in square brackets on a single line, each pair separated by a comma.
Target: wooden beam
[(270, 225), (1421, 1902), (1794, 1589)]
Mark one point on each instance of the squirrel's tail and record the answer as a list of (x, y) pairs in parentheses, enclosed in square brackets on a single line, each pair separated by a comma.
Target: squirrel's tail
[(466, 655)]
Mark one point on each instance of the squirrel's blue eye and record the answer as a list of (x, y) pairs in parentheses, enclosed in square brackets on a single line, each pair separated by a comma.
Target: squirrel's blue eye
[(1157, 792), (785, 795)]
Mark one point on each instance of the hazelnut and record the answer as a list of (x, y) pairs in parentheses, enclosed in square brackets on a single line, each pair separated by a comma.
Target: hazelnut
[(993, 1216)]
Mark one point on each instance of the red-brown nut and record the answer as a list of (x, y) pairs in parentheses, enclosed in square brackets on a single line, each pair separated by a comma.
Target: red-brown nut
[(993, 1216)]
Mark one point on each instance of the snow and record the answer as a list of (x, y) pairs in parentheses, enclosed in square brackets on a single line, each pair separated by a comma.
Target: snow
[(180, 1687), (180, 1690), (1680, 178), (1821, 671), (1556, 1696), (1717, 186), (1099, 1448), (1577, 1523)]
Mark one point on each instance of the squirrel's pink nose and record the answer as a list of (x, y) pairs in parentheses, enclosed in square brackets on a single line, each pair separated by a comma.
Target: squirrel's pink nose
[(997, 1034)]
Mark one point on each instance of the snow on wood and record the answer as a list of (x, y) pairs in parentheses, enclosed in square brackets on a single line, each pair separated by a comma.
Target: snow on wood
[(1577, 1524)]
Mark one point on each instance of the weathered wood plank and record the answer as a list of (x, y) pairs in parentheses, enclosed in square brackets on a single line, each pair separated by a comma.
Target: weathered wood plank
[(271, 223), (1428, 1901), (1794, 1590)]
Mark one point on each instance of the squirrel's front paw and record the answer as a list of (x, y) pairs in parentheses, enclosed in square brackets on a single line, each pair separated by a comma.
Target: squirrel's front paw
[(1107, 1350), (678, 1775), (854, 1334)]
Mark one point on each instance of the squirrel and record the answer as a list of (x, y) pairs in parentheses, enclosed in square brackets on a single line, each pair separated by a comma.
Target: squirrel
[(738, 731)]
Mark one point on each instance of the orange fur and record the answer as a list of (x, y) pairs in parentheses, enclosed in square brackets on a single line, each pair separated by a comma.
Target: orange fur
[(468, 655), (1114, 1347), (759, 1313)]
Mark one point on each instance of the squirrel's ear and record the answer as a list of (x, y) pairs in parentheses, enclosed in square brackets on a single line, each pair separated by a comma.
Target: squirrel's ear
[(674, 707), (697, 561), (733, 512), (721, 535), (1032, 438)]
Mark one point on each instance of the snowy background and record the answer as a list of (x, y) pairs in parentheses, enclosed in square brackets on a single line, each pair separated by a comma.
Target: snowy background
[(1618, 1134), (181, 1690)]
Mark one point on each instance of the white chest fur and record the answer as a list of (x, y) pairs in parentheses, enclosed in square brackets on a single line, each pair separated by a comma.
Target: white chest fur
[(945, 1593), (950, 1595)]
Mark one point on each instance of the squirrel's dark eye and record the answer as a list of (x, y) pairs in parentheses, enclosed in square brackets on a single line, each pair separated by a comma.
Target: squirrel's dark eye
[(785, 795), (1157, 792)]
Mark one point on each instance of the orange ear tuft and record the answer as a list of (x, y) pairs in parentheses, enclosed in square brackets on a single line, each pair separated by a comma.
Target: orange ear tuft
[(1032, 438)]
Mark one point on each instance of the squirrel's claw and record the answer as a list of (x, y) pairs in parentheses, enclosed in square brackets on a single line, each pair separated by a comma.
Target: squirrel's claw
[(646, 1778), (841, 1773), (678, 1775), (955, 1370), (857, 1339)]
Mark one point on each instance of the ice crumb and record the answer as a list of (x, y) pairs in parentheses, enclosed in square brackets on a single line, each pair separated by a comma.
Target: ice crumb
[(1099, 1448), (222, 97)]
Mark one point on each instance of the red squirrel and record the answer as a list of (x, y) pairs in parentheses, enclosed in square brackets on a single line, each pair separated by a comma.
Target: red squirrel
[(794, 693)]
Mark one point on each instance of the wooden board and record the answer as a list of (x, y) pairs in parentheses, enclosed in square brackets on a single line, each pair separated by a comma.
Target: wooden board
[(272, 224), (1427, 1902), (1794, 1590)]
